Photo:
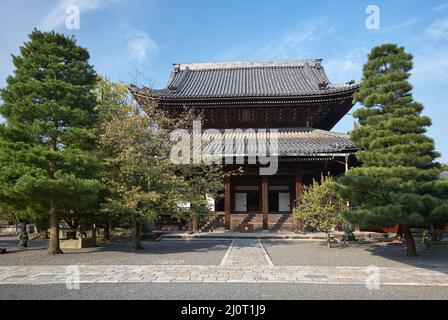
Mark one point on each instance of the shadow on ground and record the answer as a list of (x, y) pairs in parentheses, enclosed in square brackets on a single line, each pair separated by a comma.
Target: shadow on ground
[(211, 252), (383, 254), (173, 252)]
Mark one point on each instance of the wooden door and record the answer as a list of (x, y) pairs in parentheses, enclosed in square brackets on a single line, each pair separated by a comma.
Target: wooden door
[(240, 202)]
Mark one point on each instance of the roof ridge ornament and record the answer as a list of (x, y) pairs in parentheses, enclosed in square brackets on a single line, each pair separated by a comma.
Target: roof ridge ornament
[(184, 74), (311, 76), (323, 85)]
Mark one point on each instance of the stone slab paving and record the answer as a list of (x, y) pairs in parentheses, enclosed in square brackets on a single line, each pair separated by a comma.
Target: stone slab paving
[(244, 253), (245, 261)]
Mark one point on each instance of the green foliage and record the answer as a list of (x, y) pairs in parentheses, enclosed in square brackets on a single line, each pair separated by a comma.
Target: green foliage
[(136, 161), (390, 134), (200, 179), (395, 184), (47, 141), (136, 168), (142, 181), (73, 143), (320, 205)]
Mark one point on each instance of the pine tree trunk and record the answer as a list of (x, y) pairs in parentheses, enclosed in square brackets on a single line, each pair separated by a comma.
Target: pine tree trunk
[(409, 240), (54, 248), (194, 223), (94, 235), (399, 235), (106, 235), (136, 241)]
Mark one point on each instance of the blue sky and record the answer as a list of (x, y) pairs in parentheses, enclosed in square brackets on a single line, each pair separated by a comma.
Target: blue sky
[(125, 36)]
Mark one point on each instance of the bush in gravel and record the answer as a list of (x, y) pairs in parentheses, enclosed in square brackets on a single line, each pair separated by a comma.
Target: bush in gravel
[(319, 206)]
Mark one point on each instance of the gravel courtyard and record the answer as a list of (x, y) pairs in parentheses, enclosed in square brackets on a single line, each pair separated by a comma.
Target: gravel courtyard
[(211, 252), (117, 252), (217, 269), (316, 253)]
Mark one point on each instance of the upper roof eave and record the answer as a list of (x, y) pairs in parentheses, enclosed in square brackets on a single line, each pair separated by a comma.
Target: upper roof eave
[(160, 96), (248, 80)]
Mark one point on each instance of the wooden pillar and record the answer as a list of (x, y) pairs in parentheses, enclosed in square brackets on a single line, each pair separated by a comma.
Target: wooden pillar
[(227, 203), (265, 201), (299, 188)]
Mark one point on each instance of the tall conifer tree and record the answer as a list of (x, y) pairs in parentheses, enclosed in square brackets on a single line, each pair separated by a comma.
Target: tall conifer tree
[(46, 142), (397, 157)]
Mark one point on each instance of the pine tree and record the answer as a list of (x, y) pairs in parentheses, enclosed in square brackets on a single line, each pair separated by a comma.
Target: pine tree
[(397, 157), (46, 142)]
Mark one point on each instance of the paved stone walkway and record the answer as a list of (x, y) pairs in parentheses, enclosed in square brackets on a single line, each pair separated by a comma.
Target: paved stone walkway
[(246, 253), (245, 261)]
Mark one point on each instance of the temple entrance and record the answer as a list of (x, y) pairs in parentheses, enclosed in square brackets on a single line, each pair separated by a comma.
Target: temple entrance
[(247, 201), (250, 122), (279, 198), (284, 204), (240, 202), (253, 201), (247, 198)]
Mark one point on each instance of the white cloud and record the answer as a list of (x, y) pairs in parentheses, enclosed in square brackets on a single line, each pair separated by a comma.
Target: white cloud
[(431, 59), (57, 16), (399, 26), (438, 30), (339, 70), (296, 42), (431, 65), (441, 7), (348, 67), (140, 46)]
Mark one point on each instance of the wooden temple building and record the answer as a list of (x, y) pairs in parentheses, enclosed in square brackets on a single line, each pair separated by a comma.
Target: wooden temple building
[(295, 99)]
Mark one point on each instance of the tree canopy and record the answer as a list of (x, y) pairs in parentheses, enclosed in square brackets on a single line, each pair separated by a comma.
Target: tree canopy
[(46, 142), (320, 205), (397, 157)]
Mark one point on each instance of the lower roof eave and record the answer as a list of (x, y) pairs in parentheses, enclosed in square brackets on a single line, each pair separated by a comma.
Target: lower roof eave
[(321, 154), (298, 155)]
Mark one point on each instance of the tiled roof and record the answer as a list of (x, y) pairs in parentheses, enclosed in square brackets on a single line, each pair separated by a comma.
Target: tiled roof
[(284, 78), (291, 141)]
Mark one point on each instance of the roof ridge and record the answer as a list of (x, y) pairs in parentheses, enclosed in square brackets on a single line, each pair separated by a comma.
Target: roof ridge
[(247, 64), (287, 129), (332, 132)]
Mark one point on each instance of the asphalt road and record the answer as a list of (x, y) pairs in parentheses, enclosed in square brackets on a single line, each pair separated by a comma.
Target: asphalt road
[(194, 291)]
